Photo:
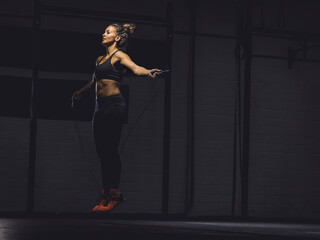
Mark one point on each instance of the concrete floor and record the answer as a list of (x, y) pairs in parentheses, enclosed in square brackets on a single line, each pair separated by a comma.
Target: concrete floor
[(105, 228)]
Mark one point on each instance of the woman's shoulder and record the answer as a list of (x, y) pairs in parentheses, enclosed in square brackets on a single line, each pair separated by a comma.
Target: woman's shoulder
[(120, 54), (99, 58)]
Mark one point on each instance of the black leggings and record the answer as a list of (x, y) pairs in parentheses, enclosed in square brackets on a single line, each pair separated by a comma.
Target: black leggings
[(108, 119)]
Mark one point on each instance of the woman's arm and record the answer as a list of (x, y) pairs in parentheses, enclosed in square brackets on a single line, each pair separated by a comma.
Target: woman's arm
[(126, 61), (77, 94)]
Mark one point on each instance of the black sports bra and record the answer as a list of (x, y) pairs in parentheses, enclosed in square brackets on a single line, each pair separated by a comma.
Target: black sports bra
[(105, 70)]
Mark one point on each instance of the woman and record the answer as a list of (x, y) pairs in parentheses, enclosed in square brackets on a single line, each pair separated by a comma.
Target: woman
[(110, 112)]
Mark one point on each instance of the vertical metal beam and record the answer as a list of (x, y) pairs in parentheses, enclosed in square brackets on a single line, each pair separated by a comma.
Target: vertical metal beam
[(167, 114), (246, 104), (33, 105), (190, 153), (237, 108)]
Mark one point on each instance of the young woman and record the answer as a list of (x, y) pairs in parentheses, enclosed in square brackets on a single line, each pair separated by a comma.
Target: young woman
[(111, 109)]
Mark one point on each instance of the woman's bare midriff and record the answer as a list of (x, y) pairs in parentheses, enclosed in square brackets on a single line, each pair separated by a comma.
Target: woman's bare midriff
[(107, 87)]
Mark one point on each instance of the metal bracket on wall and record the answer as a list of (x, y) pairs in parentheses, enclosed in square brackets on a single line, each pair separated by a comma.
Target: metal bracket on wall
[(293, 52)]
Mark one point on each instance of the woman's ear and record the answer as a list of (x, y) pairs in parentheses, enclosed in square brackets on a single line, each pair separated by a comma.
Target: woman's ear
[(117, 39)]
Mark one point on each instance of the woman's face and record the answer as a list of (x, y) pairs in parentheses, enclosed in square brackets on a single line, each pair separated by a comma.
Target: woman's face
[(109, 36)]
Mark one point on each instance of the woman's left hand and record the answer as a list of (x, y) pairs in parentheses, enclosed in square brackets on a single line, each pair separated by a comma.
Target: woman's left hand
[(154, 72)]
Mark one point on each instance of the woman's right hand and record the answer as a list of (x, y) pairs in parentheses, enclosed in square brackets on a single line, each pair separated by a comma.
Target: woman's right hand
[(76, 96)]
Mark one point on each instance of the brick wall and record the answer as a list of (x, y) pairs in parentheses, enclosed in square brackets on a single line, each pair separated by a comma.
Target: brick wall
[(14, 152), (284, 147)]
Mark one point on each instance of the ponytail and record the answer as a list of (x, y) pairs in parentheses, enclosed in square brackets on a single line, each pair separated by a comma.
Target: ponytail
[(123, 30)]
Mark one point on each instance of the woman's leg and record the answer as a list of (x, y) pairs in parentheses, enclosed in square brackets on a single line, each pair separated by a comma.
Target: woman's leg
[(108, 121), (107, 128)]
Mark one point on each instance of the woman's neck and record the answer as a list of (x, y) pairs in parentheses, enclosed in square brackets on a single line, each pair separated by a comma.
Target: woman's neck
[(111, 49)]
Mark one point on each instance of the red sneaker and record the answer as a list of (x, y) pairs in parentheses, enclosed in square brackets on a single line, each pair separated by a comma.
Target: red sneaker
[(115, 198), (104, 200)]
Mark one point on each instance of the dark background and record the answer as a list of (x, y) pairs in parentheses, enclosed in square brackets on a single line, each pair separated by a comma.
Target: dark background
[(284, 120)]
